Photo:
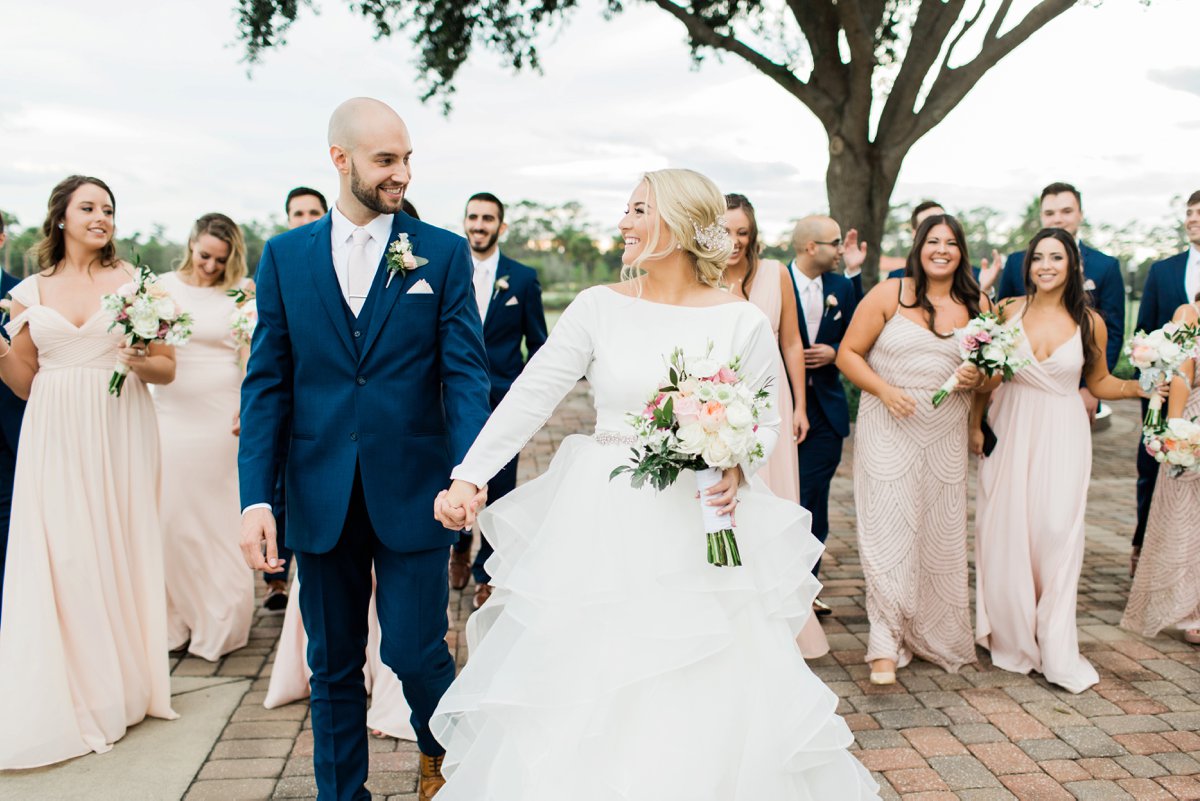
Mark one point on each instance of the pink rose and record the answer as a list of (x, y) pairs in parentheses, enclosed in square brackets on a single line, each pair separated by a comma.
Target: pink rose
[(1141, 354), (712, 416), (971, 342), (726, 376), (687, 409), (984, 337)]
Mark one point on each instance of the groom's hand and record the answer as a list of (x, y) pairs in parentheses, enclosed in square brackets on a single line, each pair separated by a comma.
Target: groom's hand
[(258, 527), (457, 507)]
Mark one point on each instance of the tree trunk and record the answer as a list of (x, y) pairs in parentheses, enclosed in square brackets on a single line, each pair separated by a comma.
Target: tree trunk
[(859, 182)]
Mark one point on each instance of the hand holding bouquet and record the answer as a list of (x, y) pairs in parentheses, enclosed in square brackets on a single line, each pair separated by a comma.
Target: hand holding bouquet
[(145, 314), (703, 417), (1158, 356), (1176, 444), (989, 345)]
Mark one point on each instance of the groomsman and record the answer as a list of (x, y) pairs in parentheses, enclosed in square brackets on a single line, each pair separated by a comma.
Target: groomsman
[(304, 205), (826, 302), (12, 409), (1062, 207), (510, 305), (1170, 283)]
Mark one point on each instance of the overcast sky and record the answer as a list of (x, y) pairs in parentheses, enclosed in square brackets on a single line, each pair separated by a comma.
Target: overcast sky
[(152, 97)]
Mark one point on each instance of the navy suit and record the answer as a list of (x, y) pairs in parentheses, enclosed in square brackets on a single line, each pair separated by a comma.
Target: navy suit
[(12, 409), (1108, 296), (828, 411), (514, 315), (376, 408), (1164, 292)]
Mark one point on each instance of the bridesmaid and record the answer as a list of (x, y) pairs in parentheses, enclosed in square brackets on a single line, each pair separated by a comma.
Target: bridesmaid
[(766, 284), (1033, 488), (1166, 587), (910, 459), (83, 649), (210, 591)]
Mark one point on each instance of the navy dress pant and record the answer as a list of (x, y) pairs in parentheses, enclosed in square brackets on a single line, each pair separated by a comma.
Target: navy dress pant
[(819, 455)]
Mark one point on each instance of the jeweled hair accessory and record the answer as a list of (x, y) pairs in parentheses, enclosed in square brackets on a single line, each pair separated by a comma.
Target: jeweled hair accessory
[(712, 237)]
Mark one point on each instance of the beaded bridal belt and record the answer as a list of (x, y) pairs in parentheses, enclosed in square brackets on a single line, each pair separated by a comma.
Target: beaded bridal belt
[(614, 438)]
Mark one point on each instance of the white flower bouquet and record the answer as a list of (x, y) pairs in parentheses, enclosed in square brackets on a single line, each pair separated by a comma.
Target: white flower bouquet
[(1176, 444), (704, 417), (990, 345), (145, 313), (1158, 357)]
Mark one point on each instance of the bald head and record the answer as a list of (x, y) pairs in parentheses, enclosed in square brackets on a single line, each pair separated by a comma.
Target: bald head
[(351, 122), (811, 240), (814, 228)]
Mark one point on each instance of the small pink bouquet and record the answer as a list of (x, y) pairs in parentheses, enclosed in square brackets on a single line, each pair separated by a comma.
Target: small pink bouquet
[(145, 313), (1176, 444), (989, 345), (703, 417), (244, 318), (1158, 357)]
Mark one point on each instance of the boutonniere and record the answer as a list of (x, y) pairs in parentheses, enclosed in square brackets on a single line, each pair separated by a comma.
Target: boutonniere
[(401, 259), (1089, 285), (830, 302), (501, 285)]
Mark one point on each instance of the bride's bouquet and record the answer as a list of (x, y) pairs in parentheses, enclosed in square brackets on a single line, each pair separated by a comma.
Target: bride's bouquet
[(145, 313), (703, 417), (1176, 444), (989, 345), (1158, 356)]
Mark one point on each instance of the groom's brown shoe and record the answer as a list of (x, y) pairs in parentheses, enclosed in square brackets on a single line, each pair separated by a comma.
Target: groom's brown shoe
[(460, 569), (431, 777)]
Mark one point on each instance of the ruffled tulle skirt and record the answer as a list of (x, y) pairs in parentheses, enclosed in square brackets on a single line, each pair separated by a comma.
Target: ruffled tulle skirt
[(613, 662)]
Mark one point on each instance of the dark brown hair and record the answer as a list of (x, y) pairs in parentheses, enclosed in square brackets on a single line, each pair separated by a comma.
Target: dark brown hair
[(919, 209), (1075, 298), (736, 201), (963, 287), (1057, 188), (1194, 199), (53, 247)]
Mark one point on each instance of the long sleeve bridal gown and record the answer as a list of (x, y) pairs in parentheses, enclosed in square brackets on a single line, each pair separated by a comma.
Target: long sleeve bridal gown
[(658, 676)]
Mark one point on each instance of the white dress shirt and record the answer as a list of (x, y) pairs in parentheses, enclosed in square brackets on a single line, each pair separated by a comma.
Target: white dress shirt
[(485, 280), (1191, 274), (380, 230), (812, 301)]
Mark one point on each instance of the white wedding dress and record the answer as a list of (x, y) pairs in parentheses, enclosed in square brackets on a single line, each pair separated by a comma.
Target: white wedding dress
[(612, 662)]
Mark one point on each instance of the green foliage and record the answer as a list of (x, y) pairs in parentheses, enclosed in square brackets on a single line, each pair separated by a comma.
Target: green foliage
[(561, 244)]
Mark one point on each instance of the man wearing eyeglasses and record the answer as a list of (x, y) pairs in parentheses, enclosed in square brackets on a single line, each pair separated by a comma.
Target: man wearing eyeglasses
[(825, 301)]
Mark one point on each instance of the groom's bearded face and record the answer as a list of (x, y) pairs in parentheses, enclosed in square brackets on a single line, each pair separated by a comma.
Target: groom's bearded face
[(382, 196)]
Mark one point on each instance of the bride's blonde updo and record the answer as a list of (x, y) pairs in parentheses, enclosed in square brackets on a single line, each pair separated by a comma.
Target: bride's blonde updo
[(692, 207)]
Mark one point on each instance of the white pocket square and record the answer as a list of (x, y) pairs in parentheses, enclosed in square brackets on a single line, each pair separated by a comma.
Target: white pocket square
[(422, 287), (511, 302), (837, 316)]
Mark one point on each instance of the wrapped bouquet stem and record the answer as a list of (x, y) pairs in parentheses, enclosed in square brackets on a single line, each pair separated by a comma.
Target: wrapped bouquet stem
[(704, 418), (990, 345)]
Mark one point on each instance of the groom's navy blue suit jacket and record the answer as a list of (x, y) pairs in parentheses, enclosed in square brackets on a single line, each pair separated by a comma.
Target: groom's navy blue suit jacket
[(1107, 295), (1164, 292), (398, 395)]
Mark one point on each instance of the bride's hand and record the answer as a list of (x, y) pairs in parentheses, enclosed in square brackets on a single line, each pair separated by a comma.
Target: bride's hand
[(723, 494), (457, 507)]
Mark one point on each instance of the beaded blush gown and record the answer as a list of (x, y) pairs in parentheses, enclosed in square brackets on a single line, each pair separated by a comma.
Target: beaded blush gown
[(659, 676)]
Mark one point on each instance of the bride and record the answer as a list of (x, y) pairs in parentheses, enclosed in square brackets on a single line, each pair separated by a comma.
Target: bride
[(659, 676)]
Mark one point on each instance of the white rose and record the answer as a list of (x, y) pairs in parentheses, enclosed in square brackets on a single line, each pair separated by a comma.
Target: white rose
[(716, 453), (691, 438), (688, 386), (738, 415), (166, 309), (145, 324), (1169, 351), (994, 354), (740, 441), (702, 368)]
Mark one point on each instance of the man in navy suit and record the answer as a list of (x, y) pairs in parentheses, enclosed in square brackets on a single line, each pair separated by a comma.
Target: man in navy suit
[(371, 362), (12, 409), (1062, 207), (1169, 284), (510, 302), (825, 302)]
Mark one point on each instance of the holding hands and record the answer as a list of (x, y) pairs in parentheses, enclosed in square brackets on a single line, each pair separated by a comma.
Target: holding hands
[(457, 507)]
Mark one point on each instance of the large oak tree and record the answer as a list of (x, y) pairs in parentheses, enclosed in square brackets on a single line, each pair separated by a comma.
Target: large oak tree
[(878, 74)]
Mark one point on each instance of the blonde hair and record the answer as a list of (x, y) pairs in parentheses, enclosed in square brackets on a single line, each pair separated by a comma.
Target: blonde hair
[(223, 228), (687, 202)]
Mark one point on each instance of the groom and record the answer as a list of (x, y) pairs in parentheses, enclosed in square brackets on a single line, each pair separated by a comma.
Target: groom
[(379, 374)]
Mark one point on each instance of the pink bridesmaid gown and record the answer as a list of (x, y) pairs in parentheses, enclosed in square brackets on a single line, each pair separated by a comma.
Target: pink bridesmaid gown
[(1030, 521), (210, 591), (83, 647), (781, 473)]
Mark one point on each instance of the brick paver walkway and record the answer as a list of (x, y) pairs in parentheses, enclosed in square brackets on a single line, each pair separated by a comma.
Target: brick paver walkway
[(982, 734)]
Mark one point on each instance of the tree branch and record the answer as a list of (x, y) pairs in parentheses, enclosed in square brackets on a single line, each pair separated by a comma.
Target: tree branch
[(702, 34)]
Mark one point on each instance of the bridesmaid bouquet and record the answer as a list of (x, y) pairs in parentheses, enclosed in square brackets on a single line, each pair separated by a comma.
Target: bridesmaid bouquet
[(1158, 356), (989, 345), (243, 322), (145, 314), (1176, 444), (703, 417)]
